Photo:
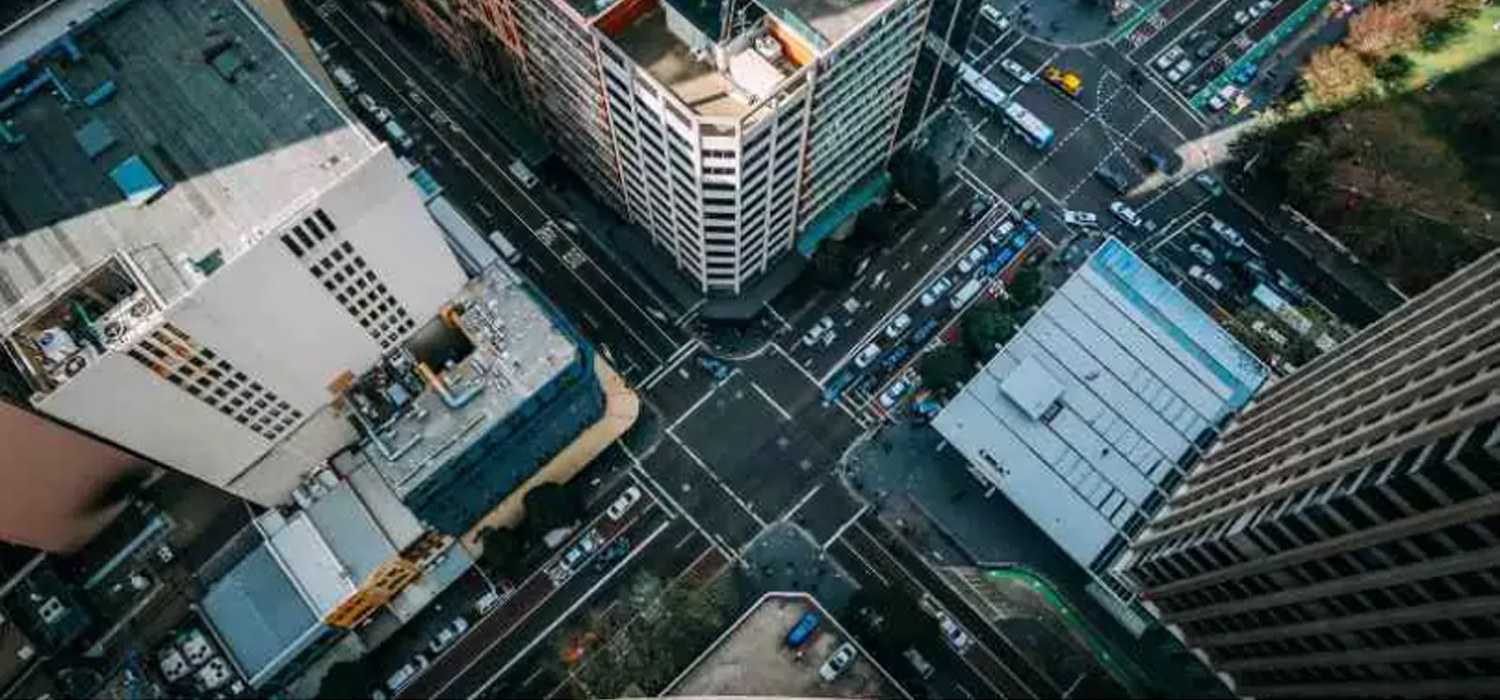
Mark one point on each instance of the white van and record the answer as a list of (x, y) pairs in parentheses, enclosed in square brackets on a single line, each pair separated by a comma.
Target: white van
[(398, 134), (965, 293), (522, 174), (345, 79)]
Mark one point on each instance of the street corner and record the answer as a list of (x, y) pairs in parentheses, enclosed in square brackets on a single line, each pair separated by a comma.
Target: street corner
[(784, 558), (826, 510)]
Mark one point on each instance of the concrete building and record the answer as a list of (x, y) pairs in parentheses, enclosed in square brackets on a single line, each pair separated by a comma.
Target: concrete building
[(199, 243), (1343, 537), (1088, 418), (732, 133)]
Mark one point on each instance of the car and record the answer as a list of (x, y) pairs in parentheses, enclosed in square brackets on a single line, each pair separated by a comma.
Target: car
[(918, 663), (1184, 66), (1256, 269), (401, 678), (398, 134), (953, 633), (976, 208), (611, 554), (366, 102), (817, 331), (997, 235), (1291, 287), (345, 79), (489, 601), (829, 336), (1206, 278), (972, 258), (318, 49), (1206, 49), (837, 662), (1223, 97), (898, 326), (1227, 232), (1265, 6), (1196, 36), (1016, 70), (1209, 183), (895, 358), (924, 332), (1175, 75), (441, 640), (1241, 18), (1276, 337), (1123, 212), (1245, 74), (1202, 252), (803, 630), (1081, 218), (623, 502), (522, 174), (893, 393), (1114, 180), (867, 355), (382, 114), (1170, 57), (1229, 29), (936, 291)]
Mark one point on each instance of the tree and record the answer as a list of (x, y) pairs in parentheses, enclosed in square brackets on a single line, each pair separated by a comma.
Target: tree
[(1395, 70), (347, 679), (945, 368), (550, 506), (1025, 289), (916, 177), (1335, 75), (985, 326), (502, 551)]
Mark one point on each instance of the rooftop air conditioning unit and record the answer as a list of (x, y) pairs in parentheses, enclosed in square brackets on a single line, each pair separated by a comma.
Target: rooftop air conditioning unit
[(767, 47)]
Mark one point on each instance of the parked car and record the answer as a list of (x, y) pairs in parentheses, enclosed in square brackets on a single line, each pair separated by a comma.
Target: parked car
[(997, 235), (867, 355), (972, 258), (898, 326), (398, 135), (1123, 212), (1276, 337), (1245, 74), (1202, 252), (1206, 49), (837, 662), (613, 553), (894, 392), (489, 601), (1016, 70), (953, 633), (623, 502), (1226, 232), (1081, 218), (366, 102), (977, 207), (1205, 278), (918, 663), (1209, 183), (992, 14), (522, 174), (924, 332), (1242, 18), (817, 330), (1223, 97), (936, 291), (345, 79), (1113, 179), (1229, 29), (800, 632), (965, 293), (1171, 56)]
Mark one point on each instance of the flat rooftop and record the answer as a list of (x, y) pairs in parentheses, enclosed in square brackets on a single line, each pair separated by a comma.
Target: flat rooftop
[(752, 659), (823, 22), (169, 130), (512, 350), (698, 83), (1085, 417)]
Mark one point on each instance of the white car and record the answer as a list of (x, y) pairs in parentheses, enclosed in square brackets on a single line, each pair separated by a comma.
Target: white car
[(835, 665), (489, 601), (1205, 278), (973, 258), (893, 394), (936, 291), (1270, 332), (366, 102), (1002, 230), (1081, 218), (1226, 232), (1223, 97), (993, 15), (1016, 70), (1171, 56), (1180, 70), (1242, 18), (867, 355), (1175, 76), (627, 498), (817, 331), (1123, 211), (898, 326), (953, 633), (1202, 252)]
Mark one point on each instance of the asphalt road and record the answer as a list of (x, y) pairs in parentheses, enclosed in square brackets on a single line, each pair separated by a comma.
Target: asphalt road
[(463, 156)]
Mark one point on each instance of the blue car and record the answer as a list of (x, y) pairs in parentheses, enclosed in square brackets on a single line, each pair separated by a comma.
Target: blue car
[(924, 332), (896, 357), (802, 630)]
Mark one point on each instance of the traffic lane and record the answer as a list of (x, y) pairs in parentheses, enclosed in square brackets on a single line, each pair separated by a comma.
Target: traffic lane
[(466, 141), (693, 490), (668, 556), (1279, 254), (1183, 18), (496, 650), (1001, 661)]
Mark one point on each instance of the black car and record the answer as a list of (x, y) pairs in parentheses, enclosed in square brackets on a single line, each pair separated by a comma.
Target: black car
[(1114, 180), (1206, 49), (1229, 29)]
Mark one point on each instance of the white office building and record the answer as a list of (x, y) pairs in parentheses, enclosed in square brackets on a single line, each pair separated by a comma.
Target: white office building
[(731, 145), (1088, 417), (200, 249)]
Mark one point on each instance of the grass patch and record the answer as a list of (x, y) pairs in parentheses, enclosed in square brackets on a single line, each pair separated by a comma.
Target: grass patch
[(1476, 43)]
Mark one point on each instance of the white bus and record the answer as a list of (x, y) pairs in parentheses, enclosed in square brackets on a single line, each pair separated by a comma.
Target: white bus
[(982, 87), (1026, 125)]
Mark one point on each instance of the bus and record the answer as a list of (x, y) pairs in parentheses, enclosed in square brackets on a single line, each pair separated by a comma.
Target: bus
[(1032, 130), (982, 88), (473, 252)]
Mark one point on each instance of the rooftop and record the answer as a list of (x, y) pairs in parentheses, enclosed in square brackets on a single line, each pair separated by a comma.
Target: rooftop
[(168, 130), (503, 349), (713, 80), (1085, 417), (823, 23), (752, 659)]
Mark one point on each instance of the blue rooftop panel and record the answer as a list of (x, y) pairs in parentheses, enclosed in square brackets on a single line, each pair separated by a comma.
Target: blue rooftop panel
[(137, 181), (258, 612)]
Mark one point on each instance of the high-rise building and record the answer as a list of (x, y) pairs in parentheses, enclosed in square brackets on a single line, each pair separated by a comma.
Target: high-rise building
[(1343, 537), (731, 133)]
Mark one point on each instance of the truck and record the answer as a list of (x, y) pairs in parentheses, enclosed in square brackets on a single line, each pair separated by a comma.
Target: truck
[(473, 251), (1065, 80)]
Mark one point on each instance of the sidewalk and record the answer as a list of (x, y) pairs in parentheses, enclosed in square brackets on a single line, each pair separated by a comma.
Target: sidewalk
[(621, 408)]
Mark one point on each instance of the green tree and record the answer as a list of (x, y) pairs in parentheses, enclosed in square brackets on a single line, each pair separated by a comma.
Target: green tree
[(503, 551), (1395, 70), (945, 368), (347, 679), (550, 506), (1025, 289), (917, 178), (986, 325)]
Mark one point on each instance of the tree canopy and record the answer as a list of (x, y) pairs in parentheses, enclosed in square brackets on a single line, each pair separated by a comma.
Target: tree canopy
[(945, 367), (550, 506), (985, 326)]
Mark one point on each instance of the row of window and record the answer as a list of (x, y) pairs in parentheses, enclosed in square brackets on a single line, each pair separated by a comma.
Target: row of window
[(214, 380)]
